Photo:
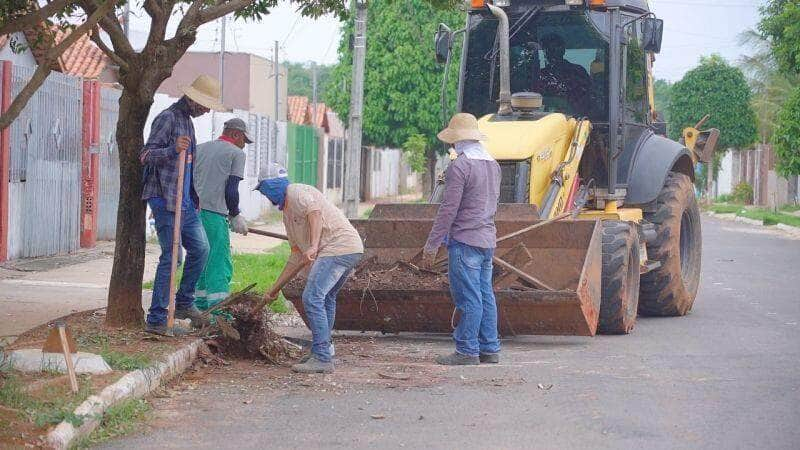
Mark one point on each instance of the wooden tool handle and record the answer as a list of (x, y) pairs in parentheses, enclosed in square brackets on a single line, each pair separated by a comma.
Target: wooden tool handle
[(268, 234), (73, 379), (176, 240), (277, 287), (525, 276)]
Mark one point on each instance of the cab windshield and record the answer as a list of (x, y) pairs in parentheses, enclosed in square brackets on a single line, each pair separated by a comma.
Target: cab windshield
[(559, 55)]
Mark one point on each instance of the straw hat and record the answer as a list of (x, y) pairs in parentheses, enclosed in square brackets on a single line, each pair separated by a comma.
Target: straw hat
[(205, 90), (462, 127)]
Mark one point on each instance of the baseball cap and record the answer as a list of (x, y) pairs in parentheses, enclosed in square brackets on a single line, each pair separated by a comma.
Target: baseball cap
[(238, 124), (275, 170)]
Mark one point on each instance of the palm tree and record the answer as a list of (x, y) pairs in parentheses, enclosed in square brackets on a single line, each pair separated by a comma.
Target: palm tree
[(770, 87)]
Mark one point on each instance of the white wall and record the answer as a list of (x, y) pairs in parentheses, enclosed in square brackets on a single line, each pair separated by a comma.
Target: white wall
[(18, 59), (725, 175)]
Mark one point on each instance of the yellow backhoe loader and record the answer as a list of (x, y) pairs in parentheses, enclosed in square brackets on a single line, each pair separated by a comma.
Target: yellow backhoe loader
[(598, 218)]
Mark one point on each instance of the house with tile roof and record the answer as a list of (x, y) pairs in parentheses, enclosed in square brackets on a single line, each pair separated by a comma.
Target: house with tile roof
[(83, 59)]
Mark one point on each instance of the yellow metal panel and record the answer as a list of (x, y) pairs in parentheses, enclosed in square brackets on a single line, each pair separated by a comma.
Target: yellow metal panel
[(626, 214), (544, 142)]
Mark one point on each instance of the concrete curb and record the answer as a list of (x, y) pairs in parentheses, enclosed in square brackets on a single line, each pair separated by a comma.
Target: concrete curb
[(788, 229), (134, 384)]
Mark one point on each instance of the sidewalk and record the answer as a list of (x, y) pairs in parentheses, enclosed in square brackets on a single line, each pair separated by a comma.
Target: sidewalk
[(35, 291)]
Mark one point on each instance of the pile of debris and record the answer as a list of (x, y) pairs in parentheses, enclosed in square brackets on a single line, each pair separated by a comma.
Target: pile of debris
[(239, 332), (400, 275)]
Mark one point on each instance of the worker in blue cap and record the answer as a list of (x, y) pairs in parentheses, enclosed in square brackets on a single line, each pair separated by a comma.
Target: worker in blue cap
[(321, 236)]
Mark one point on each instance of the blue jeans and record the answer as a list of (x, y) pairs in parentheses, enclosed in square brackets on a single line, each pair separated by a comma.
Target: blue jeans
[(193, 239), (327, 276), (470, 274)]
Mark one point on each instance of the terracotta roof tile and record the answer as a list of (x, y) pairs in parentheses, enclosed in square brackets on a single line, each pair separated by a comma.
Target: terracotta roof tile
[(320, 121), (82, 59), (298, 110)]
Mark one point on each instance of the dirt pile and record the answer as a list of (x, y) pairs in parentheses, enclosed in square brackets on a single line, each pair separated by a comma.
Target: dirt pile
[(256, 337), (396, 276)]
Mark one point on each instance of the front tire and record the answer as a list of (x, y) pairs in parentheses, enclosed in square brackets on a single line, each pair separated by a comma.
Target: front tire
[(670, 290), (620, 277)]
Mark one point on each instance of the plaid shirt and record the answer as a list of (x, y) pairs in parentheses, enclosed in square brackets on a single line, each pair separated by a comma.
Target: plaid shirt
[(158, 157)]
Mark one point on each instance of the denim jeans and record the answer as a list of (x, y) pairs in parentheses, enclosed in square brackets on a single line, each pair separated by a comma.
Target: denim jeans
[(470, 274), (327, 276), (193, 239)]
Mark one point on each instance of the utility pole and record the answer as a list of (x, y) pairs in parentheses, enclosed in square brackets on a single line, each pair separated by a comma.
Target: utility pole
[(274, 126), (222, 60), (314, 93), (352, 168), (276, 75)]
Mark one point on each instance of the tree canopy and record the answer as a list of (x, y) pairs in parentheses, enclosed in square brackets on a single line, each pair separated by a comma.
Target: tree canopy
[(786, 138), (662, 91), (716, 88), (301, 79), (780, 22), (402, 81)]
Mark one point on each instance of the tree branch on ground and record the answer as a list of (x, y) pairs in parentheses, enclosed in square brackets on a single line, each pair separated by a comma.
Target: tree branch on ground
[(44, 67)]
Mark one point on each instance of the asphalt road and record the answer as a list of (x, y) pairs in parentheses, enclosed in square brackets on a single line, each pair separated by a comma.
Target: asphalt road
[(726, 376)]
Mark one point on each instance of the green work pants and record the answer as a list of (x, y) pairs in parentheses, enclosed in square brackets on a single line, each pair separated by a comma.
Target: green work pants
[(214, 282)]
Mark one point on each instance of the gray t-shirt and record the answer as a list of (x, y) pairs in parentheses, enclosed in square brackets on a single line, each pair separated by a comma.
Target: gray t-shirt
[(214, 162)]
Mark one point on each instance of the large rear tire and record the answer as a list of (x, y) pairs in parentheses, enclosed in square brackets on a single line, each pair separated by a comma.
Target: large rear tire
[(670, 290), (620, 277)]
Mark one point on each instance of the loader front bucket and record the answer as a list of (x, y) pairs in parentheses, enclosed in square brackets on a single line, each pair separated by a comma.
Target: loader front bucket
[(389, 294)]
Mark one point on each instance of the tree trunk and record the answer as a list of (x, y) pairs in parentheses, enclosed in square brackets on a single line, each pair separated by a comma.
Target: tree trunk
[(125, 289), (429, 180)]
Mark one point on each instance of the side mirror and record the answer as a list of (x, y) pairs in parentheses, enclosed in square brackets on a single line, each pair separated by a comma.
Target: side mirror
[(652, 32), (442, 42)]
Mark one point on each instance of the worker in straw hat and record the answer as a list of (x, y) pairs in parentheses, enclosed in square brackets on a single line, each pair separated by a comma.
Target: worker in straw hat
[(465, 223), (171, 134), (322, 237)]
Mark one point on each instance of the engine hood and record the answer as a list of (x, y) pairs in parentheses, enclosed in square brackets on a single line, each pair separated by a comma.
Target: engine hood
[(524, 139)]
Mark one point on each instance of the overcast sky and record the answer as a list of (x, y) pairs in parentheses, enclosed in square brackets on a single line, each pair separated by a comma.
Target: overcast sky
[(692, 28)]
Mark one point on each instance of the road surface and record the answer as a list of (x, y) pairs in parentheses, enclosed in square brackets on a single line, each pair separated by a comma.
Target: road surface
[(726, 376)]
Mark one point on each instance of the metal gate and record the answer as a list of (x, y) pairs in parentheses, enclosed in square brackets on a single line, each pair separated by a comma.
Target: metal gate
[(45, 175), (301, 149), (109, 165)]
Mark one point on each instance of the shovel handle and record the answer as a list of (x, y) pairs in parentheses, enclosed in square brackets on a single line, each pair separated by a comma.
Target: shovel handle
[(176, 238), (268, 234), (277, 288)]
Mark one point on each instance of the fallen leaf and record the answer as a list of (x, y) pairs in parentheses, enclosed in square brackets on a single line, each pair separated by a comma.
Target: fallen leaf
[(545, 387), (248, 401), (378, 416)]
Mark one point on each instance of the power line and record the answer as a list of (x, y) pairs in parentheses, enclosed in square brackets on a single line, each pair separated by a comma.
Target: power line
[(297, 19)]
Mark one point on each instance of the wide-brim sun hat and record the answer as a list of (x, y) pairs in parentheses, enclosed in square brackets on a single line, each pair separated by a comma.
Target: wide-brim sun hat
[(462, 127), (205, 90)]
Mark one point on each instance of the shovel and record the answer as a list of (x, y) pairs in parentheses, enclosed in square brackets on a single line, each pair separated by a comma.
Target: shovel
[(176, 237)]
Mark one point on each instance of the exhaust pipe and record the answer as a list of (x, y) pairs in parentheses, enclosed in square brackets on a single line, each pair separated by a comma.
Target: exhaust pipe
[(505, 70)]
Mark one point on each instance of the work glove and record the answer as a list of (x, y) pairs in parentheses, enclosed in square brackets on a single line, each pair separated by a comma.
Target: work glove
[(238, 224)]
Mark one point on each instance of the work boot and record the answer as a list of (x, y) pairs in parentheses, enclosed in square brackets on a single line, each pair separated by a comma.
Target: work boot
[(193, 314), (457, 359), (163, 330), (489, 358), (305, 357), (313, 365)]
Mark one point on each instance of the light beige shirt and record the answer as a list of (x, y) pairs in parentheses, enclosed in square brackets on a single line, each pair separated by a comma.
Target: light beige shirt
[(338, 235)]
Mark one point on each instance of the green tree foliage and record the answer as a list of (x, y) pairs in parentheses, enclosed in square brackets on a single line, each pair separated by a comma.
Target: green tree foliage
[(402, 82), (780, 22), (786, 139), (662, 90), (770, 86), (716, 88), (301, 79), (415, 148)]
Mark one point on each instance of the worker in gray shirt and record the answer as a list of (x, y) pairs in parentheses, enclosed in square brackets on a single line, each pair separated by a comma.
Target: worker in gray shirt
[(219, 167), (465, 221)]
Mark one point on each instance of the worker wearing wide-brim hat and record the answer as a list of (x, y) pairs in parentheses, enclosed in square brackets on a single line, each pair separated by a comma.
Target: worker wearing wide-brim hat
[(465, 220), (320, 235), (171, 134)]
